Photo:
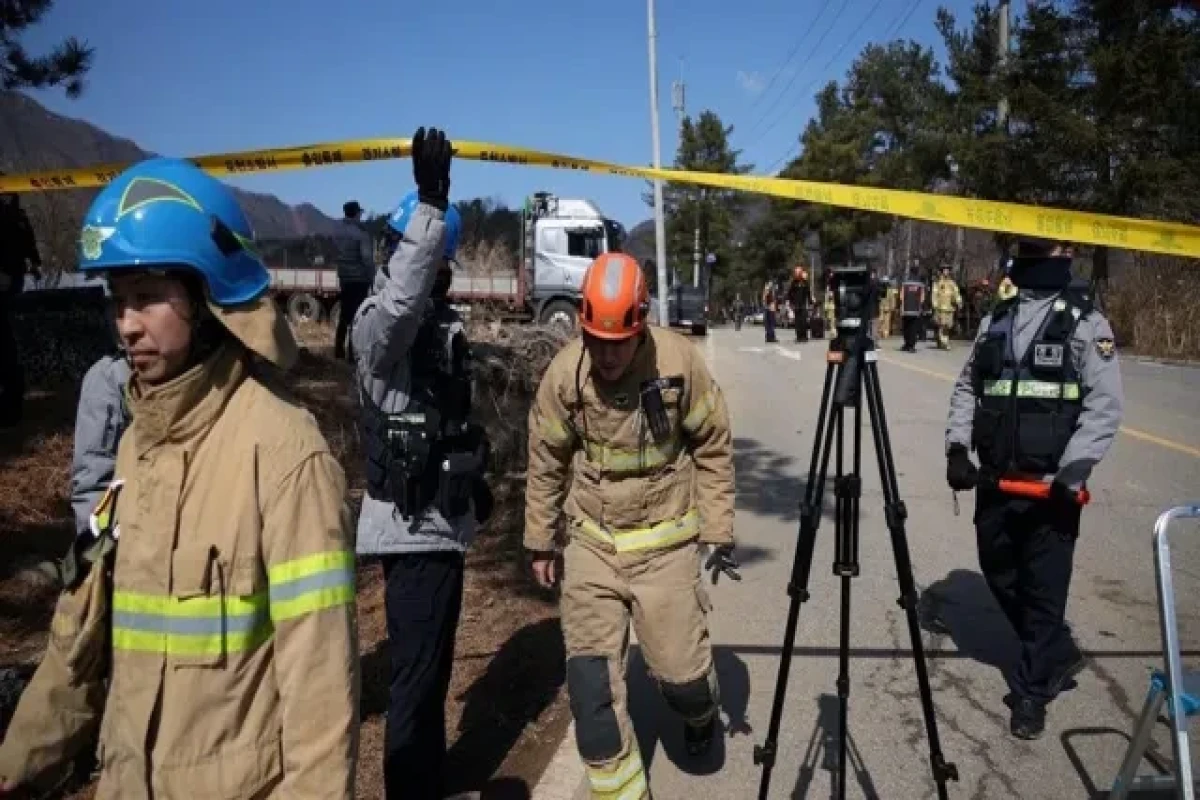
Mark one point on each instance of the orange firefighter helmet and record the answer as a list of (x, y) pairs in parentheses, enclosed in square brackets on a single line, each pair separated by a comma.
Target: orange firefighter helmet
[(799, 274), (616, 299)]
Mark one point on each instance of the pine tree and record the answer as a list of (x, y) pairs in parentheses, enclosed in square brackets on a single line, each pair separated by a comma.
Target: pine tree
[(703, 147), (66, 65)]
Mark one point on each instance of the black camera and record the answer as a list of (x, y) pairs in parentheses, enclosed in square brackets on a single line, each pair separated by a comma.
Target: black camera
[(854, 297)]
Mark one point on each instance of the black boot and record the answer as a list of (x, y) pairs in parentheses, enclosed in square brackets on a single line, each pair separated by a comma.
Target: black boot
[(698, 739), (1028, 719)]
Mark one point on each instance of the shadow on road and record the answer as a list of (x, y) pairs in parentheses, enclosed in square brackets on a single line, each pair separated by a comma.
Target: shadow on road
[(1108, 771), (521, 681), (822, 752), (654, 722), (767, 486), (962, 607)]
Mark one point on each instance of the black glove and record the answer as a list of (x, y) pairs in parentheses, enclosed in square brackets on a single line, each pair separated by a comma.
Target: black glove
[(1065, 508), (721, 560), (961, 474), (431, 155)]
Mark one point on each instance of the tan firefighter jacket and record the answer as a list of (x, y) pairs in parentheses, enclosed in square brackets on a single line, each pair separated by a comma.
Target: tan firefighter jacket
[(946, 296), (628, 492), (234, 669)]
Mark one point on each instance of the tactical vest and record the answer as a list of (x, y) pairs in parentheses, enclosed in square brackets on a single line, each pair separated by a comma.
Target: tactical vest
[(1027, 411), (428, 454), (911, 298), (348, 254)]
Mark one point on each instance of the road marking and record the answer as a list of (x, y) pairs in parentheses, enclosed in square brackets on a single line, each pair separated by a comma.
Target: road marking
[(1194, 452), (752, 349), (794, 355)]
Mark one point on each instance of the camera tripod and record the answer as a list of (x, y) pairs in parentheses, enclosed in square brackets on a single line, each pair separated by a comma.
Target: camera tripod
[(851, 367)]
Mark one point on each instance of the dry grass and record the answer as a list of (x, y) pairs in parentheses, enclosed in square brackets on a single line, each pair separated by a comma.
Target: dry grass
[(1155, 308), (506, 711)]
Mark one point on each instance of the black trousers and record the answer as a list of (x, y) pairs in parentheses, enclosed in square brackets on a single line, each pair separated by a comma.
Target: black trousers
[(802, 324), (351, 297), (769, 324), (1026, 552), (911, 328), (12, 374), (423, 600)]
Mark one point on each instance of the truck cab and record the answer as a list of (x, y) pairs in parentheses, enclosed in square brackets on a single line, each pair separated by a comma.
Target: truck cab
[(560, 238)]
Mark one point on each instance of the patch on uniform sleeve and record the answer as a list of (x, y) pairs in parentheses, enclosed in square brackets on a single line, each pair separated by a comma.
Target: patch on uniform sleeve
[(1106, 347)]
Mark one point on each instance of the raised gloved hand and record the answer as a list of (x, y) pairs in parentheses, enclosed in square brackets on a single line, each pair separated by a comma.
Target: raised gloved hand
[(431, 155), (721, 560), (961, 474)]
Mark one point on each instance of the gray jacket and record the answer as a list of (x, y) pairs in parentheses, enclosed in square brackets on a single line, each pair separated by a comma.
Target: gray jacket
[(1103, 396), (355, 260), (383, 333), (100, 420)]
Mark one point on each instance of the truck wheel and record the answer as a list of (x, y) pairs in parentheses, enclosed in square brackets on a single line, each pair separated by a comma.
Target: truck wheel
[(561, 313), (700, 330), (303, 307), (335, 314)]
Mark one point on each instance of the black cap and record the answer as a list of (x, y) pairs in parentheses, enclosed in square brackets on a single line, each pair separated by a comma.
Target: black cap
[(351, 209)]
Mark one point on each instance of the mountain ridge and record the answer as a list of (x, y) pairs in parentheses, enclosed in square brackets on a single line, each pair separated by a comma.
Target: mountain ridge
[(34, 138)]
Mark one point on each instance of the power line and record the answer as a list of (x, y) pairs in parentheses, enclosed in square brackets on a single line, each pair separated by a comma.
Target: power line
[(796, 49), (796, 74), (898, 24)]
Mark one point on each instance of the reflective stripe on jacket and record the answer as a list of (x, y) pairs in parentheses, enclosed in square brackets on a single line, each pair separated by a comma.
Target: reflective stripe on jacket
[(627, 491)]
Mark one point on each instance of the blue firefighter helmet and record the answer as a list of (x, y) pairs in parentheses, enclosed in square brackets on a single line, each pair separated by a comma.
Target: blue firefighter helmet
[(166, 212), (398, 221)]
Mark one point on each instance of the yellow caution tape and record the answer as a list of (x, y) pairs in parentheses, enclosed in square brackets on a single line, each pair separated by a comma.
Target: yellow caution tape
[(1074, 226)]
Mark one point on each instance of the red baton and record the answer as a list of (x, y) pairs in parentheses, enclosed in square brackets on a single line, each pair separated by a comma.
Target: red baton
[(1037, 490)]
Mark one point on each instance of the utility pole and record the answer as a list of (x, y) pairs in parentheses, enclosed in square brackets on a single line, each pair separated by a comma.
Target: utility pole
[(660, 226), (1002, 107), (678, 92)]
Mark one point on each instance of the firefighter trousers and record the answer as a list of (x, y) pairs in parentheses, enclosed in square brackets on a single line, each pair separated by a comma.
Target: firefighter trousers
[(662, 593)]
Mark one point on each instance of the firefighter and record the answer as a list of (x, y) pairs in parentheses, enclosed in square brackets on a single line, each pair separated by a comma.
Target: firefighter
[(633, 416), (946, 301), (770, 301), (887, 307), (18, 255), (800, 298), (355, 262), (425, 492), (912, 304), (1040, 396), (217, 638)]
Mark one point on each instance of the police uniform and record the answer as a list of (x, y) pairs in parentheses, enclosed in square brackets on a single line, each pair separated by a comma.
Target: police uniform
[(355, 262), (425, 493), (912, 301), (1039, 396)]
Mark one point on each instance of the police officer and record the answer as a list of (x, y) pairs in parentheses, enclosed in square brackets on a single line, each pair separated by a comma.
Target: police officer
[(425, 464), (912, 303), (1039, 398), (18, 254), (800, 298), (355, 262)]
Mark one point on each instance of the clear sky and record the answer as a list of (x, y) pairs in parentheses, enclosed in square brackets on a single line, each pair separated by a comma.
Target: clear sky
[(193, 78)]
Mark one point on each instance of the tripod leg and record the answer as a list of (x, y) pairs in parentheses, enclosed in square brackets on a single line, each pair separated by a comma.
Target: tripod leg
[(895, 514), (810, 517)]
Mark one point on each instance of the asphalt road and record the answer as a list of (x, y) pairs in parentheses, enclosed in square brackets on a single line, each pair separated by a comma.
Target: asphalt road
[(773, 392)]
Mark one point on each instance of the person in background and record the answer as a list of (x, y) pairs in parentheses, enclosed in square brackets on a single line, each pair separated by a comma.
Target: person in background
[(100, 420), (215, 645), (770, 301), (18, 256), (355, 262)]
